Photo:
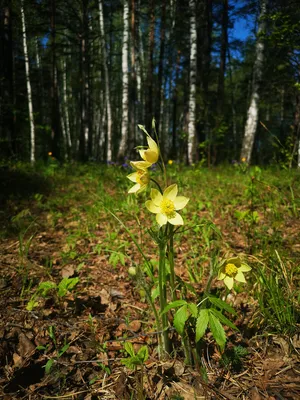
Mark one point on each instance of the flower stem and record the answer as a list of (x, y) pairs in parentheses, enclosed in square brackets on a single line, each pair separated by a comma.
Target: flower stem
[(162, 295), (171, 262)]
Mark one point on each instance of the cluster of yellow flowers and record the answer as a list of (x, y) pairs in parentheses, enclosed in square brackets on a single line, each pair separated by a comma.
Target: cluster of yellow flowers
[(165, 205)]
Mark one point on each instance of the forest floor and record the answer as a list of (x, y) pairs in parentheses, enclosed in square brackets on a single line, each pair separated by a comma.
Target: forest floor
[(66, 340)]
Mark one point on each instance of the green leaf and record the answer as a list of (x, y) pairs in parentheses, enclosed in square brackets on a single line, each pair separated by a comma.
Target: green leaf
[(221, 304), (129, 348), (63, 349), (65, 285), (193, 309), (41, 347), (32, 304), (154, 293), (180, 319), (217, 330), (174, 304), (143, 354), (48, 365), (201, 324), (44, 288), (223, 319)]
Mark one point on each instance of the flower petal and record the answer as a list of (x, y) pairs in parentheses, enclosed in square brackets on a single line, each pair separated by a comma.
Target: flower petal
[(228, 282), (171, 192), (240, 277), (221, 276), (156, 197), (151, 156), (134, 188), (141, 189), (245, 268), (152, 207), (161, 219), (177, 220), (140, 164), (132, 176), (234, 260), (180, 202), (142, 154), (152, 144)]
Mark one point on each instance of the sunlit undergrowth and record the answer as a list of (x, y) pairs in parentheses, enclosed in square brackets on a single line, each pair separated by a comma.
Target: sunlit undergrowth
[(252, 213)]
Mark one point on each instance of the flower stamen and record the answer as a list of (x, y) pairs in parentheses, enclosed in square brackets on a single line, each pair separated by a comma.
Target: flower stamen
[(231, 270), (168, 208)]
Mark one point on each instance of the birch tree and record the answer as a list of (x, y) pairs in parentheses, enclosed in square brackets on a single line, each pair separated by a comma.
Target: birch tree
[(124, 130), (252, 115), (29, 93), (192, 91), (106, 78)]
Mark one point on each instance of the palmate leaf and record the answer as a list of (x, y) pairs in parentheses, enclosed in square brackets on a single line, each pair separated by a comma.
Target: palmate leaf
[(174, 304), (223, 319), (221, 304), (217, 330), (180, 319), (193, 309), (201, 324)]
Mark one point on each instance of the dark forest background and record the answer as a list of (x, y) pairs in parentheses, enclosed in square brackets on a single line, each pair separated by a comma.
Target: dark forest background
[(77, 76)]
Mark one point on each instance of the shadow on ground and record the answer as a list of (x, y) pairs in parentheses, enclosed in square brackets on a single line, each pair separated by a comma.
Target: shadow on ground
[(18, 187)]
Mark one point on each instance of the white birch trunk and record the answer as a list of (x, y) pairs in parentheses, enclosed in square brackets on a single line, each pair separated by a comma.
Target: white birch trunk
[(124, 130), (106, 78), (192, 95), (29, 95), (252, 115)]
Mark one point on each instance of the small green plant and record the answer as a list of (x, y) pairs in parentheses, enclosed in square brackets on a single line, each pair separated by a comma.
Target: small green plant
[(59, 291), (232, 358), (24, 223), (58, 351), (277, 298), (134, 361)]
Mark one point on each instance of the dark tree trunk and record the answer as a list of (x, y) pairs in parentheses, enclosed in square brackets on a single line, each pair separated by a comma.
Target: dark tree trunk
[(223, 52), (7, 119), (85, 139), (160, 68), (55, 119), (149, 99)]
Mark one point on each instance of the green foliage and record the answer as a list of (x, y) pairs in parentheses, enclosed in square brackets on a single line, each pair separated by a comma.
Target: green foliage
[(60, 290), (135, 359)]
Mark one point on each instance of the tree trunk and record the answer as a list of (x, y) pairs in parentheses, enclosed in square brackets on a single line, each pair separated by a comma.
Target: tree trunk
[(160, 89), (124, 130), (29, 95), (223, 53), (7, 118), (192, 93), (55, 118), (85, 90), (252, 115), (149, 93), (107, 86)]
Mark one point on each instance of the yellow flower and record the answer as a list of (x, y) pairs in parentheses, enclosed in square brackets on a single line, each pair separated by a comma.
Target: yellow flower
[(233, 269), (49, 153), (243, 159), (165, 205), (150, 154), (170, 162), (141, 179), (140, 164)]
